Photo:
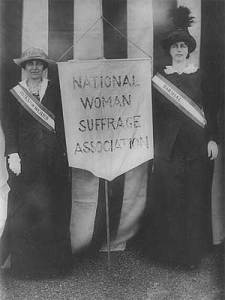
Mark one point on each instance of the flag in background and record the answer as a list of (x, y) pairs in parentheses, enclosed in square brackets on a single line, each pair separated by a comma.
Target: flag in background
[(195, 29), (58, 27), (212, 61), (127, 194)]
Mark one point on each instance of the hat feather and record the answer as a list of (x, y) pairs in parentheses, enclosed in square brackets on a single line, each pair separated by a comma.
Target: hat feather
[(182, 18)]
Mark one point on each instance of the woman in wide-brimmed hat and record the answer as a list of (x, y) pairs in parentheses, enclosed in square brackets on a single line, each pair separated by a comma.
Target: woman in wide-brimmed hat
[(185, 139), (37, 230)]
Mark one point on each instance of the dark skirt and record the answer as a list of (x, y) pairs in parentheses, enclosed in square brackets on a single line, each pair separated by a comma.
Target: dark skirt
[(178, 222), (37, 228)]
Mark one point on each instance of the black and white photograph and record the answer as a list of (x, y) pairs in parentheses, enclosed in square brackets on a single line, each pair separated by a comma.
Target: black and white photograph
[(112, 149)]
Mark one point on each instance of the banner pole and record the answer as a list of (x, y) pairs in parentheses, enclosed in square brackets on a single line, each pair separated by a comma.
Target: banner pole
[(107, 225)]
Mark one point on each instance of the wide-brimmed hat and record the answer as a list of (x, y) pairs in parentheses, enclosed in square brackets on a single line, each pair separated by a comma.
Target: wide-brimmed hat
[(182, 20), (32, 54)]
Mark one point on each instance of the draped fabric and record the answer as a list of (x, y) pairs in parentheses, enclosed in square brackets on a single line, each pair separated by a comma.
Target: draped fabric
[(195, 29), (4, 188), (73, 29), (10, 37), (212, 63), (127, 194)]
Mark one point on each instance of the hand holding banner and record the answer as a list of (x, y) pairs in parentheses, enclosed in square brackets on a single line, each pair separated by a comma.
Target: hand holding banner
[(108, 114)]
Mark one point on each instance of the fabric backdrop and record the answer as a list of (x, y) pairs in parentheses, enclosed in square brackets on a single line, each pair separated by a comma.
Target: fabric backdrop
[(58, 27)]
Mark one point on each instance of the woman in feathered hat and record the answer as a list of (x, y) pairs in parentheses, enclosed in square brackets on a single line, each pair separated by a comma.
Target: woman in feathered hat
[(185, 147), (37, 227)]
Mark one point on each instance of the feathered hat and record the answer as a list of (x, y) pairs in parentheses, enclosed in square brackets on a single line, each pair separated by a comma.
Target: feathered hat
[(182, 20)]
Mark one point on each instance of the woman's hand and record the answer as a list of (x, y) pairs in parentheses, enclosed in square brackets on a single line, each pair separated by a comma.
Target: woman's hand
[(14, 163), (212, 150)]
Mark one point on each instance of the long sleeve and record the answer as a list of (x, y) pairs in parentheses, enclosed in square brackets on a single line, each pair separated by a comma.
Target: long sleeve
[(211, 110), (11, 125), (60, 152), (60, 131), (171, 124)]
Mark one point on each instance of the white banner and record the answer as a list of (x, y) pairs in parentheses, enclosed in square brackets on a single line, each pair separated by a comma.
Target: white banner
[(108, 114)]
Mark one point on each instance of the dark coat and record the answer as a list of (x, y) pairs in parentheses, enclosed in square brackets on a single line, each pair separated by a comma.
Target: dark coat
[(30, 139), (170, 122), (37, 227), (179, 219)]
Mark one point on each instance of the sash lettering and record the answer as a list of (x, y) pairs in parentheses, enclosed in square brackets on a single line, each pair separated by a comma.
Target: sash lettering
[(179, 99), (34, 107)]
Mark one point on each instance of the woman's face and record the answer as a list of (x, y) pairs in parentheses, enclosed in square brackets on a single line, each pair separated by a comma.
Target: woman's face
[(179, 52), (34, 69)]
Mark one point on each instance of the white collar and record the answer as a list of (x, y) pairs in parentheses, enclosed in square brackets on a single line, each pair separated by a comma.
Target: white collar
[(187, 70), (43, 88)]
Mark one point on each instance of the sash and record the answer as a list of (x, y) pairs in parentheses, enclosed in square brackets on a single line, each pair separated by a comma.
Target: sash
[(179, 99), (34, 107)]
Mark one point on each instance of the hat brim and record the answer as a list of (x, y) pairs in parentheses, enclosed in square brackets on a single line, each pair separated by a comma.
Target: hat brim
[(20, 61)]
